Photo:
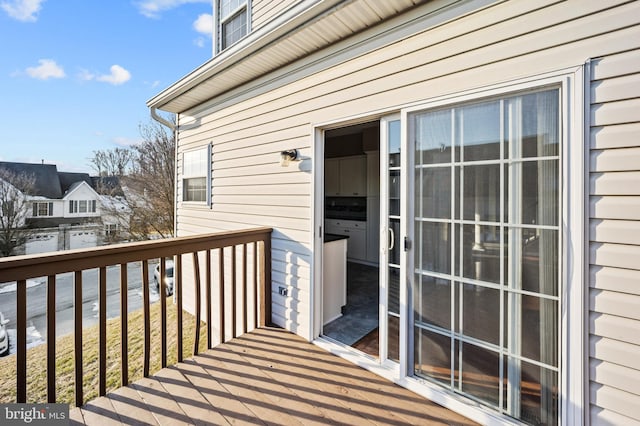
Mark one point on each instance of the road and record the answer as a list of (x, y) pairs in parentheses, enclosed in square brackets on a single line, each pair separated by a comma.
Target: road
[(36, 301)]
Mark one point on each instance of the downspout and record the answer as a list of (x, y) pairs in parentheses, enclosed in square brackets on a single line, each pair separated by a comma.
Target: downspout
[(174, 128)]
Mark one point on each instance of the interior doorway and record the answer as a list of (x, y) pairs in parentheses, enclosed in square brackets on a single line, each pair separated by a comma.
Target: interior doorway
[(351, 240)]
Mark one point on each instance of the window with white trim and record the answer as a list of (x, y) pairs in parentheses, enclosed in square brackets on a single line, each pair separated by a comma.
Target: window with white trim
[(487, 217), (196, 175), (232, 22), (82, 206), (42, 209)]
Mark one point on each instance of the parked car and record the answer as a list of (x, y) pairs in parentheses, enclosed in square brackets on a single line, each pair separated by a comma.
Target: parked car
[(168, 277), (4, 336)]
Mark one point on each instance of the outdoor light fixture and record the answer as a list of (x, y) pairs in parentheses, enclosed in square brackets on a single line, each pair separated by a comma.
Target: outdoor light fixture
[(287, 156)]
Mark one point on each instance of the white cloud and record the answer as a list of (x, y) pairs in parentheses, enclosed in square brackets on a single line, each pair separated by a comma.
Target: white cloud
[(46, 70), (22, 10), (204, 24), (118, 76), (153, 8)]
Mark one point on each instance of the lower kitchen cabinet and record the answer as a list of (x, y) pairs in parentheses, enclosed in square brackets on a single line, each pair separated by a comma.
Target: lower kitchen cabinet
[(357, 233)]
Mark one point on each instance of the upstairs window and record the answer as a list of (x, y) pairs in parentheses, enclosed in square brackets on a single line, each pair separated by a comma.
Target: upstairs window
[(232, 22), (42, 209), (196, 175), (82, 206)]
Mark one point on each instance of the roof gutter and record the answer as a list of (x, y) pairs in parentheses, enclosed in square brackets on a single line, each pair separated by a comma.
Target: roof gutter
[(161, 120)]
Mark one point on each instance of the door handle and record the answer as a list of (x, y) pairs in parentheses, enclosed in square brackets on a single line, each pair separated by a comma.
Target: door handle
[(392, 239)]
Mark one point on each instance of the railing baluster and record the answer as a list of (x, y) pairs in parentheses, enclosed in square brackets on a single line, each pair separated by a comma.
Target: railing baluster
[(51, 338), (265, 283), (221, 291), (21, 344), (163, 312), (244, 289), (196, 278), (102, 314), (207, 280), (146, 317), (233, 291), (256, 297), (77, 324), (124, 321), (177, 290)]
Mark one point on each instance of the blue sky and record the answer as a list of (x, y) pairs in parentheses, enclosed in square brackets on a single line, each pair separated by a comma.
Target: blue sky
[(75, 74)]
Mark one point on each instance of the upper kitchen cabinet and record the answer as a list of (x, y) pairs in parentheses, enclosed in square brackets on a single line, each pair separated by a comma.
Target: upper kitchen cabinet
[(346, 176)]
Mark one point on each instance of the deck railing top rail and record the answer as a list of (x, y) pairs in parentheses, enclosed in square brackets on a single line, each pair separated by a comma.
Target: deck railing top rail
[(39, 265)]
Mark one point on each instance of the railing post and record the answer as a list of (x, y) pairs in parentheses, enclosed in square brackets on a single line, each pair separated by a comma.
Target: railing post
[(221, 305), (233, 291), (244, 289), (102, 342), (265, 284), (146, 317), (21, 344), (196, 279), (163, 312), (124, 321), (177, 290), (77, 324), (51, 338), (207, 281)]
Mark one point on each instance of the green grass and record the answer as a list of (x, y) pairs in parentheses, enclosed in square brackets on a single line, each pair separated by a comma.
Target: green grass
[(65, 362)]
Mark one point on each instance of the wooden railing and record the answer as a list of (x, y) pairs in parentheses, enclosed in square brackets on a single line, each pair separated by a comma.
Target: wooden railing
[(22, 268)]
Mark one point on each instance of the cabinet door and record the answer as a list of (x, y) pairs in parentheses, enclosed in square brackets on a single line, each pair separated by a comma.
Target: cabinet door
[(332, 177), (353, 176), (356, 244)]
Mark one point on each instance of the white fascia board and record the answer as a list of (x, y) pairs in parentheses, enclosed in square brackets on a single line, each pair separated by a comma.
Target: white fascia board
[(81, 184), (292, 20)]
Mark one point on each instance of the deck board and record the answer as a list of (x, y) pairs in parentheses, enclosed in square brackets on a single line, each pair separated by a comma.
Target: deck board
[(266, 377)]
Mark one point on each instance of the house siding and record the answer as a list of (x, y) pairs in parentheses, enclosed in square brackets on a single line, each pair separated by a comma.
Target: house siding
[(264, 11), (503, 42), (614, 211)]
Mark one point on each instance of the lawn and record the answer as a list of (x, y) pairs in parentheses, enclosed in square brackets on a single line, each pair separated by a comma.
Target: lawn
[(65, 376)]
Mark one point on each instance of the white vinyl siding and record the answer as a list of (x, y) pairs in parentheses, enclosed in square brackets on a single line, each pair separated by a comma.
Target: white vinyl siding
[(369, 76), (264, 11), (614, 204)]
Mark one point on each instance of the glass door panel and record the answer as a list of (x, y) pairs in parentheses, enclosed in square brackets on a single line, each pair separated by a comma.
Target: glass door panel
[(486, 251), (390, 167)]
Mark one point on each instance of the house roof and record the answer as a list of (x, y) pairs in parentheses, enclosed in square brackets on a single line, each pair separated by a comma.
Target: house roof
[(46, 182), (305, 28), (49, 183)]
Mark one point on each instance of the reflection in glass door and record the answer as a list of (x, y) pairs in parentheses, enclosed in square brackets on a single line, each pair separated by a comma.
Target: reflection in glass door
[(390, 242), (487, 243)]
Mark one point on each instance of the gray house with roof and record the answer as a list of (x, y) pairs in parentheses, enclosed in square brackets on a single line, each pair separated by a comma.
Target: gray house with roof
[(65, 207)]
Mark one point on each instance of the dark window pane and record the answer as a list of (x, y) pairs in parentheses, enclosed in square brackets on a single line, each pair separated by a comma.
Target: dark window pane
[(433, 193), (480, 313), (481, 253), (481, 200), (540, 124), (539, 395), (434, 253), (195, 189), (234, 29), (480, 373), (432, 303), (433, 137), (539, 267), (539, 191), (539, 325), (432, 356)]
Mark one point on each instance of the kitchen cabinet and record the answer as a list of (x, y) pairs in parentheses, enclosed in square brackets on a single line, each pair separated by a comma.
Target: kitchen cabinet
[(334, 277), (357, 233), (345, 176)]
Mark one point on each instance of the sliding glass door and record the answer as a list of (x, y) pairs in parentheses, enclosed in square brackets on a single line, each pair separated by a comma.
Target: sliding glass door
[(390, 190), (486, 233)]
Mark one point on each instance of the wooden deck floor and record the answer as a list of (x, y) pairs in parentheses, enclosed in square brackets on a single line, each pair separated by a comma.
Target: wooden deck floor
[(270, 377)]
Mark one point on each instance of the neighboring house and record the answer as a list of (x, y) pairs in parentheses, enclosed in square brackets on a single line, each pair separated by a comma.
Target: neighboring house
[(65, 208), (483, 156)]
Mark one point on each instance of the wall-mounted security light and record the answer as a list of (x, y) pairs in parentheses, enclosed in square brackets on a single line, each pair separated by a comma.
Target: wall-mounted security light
[(288, 156)]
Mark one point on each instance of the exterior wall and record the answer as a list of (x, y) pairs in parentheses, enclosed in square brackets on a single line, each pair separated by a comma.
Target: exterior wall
[(614, 209), (496, 44), (263, 11), (82, 192)]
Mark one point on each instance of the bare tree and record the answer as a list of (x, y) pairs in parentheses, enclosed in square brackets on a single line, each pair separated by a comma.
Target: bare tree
[(147, 210), (112, 162), (14, 210)]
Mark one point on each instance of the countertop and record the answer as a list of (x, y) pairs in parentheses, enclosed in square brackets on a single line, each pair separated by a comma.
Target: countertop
[(328, 238)]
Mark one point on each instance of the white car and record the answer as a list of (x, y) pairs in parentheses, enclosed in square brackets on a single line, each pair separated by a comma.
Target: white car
[(168, 278), (4, 336)]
